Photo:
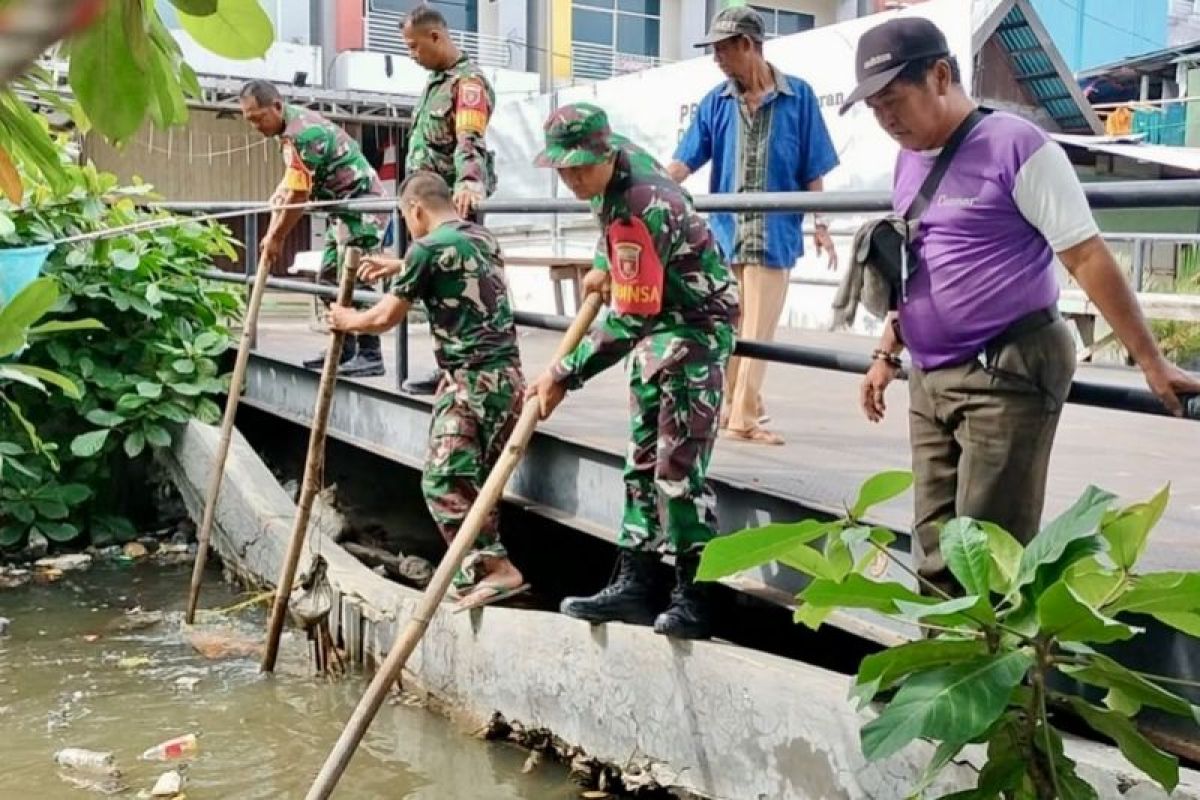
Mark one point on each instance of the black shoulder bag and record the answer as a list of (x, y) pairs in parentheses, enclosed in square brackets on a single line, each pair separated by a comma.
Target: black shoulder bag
[(891, 248)]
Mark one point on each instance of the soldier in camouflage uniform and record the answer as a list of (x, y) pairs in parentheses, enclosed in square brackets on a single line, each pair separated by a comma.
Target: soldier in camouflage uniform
[(321, 162), (454, 268), (675, 304), (449, 124)]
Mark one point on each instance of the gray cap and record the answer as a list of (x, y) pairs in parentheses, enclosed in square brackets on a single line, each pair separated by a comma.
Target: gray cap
[(735, 21)]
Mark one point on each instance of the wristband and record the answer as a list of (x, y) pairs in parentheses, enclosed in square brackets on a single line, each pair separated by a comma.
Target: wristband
[(890, 359)]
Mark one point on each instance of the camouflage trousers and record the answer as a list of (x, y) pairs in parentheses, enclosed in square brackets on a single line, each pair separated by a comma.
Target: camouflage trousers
[(474, 413), (675, 387), (364, 231)]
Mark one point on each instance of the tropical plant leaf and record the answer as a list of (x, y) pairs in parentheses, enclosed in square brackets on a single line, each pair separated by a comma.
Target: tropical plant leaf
[(1106, 673), (857, 591), (882, 670), (1186, 621), (158, 436), (30, 304), (811, 616), (1056, 546), (108, 70), (1143, 755), (729, 555), (10, 179), (58, 531), (965, 548), (64, 326), (880, 488), (952, 703), (68, 386), (1160, 592), (238, 29), (86, 445), (1129, 531), (970, 611), (1063, 614), (135, 443), (108, 419), (197, 8)]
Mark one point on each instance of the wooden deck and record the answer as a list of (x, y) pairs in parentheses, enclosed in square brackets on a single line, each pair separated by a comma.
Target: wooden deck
[(831, 447)]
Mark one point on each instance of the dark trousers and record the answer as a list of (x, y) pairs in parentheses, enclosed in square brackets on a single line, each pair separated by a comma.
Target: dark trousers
[(981, 436)]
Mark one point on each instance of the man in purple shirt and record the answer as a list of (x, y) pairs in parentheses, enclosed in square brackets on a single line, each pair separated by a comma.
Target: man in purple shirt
[(992, 358)]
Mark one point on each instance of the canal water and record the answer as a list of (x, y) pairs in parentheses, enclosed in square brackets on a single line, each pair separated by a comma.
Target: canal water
[(77, 669)]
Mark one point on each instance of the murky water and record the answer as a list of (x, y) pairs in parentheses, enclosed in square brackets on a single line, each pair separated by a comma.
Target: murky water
[(76, 672)]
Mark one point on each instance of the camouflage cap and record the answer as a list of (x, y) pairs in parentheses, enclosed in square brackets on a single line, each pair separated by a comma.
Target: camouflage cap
[(735, 21), (577, 135)]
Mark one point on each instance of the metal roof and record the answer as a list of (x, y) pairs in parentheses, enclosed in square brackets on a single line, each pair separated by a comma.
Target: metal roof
[(1037, 65)]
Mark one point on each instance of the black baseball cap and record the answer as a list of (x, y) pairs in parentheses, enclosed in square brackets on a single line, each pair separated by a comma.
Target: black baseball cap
[(887, 49)]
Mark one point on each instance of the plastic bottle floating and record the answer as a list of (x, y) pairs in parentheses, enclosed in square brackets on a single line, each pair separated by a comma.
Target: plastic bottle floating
[(172, 749)]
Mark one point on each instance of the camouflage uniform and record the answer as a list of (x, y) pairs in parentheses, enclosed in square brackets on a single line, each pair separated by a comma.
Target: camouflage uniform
[(677, 370), (456, 271), (448, 129), (321, 159)]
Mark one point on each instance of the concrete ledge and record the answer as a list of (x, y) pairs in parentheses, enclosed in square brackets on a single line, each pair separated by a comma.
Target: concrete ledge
[(713, 719)]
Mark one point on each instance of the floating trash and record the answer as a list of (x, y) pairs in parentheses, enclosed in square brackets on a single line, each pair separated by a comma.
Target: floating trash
[(86, 760), (179, 747)]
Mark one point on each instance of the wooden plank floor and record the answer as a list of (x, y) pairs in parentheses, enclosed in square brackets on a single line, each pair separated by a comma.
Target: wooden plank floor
[(831, 447)]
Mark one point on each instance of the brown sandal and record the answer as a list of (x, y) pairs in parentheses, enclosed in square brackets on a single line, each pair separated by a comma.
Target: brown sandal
[(755, 436)]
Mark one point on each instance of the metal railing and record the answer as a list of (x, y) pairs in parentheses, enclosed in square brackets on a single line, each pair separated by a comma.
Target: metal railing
[(1130, 194), (597, 62), (383, 36)]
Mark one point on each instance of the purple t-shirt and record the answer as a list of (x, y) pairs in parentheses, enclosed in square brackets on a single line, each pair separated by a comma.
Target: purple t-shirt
[(983, 264)]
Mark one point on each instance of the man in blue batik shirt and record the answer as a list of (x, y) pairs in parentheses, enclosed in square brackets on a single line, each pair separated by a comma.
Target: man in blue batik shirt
[(763, 132)]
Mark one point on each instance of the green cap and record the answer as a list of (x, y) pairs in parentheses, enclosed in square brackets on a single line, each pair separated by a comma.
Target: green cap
[(577, 135), (735, 21)]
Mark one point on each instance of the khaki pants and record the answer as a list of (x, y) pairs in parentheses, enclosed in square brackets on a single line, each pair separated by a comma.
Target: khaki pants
[(981, 439), (763, 294)]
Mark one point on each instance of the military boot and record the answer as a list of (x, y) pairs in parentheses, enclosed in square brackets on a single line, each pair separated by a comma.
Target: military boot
[(426, 384), (368, 360), (690, 614), (349, 351), (629, 598)]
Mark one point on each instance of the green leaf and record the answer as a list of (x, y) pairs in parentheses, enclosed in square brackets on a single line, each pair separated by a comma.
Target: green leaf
[(953, 703), (1143, 755), (135, 443), (882, 670), (1063, 614), (1102, 671), (7, 228), (131, 402), (14, 375), (1186, 621), (208, 412), (1122, 703), (158, 436), (1056, 546), (945, 753), (1159, 592), (11, 535), (51, 509), (23, 512), (880, 488), (86, 445), (197, 8), (125, 260), (173, 412), (857, 591), (107, 70), (68, 386), (151, 391), (965, 548), (239, 29), (808, 560), (73, 493), (108, 419), (58, 531), (184, 366), (1128, 532), (970, 611), (195, 390), (811, 617), (1067, 783), (30, 305), (729, 555), (64, 326), (1095, 584)]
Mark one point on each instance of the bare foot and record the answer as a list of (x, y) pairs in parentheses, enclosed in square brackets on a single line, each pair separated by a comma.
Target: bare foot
[(500, 580)]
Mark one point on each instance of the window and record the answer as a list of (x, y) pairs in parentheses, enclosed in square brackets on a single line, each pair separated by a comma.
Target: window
[(782, 23), (461, 15), (625, 26)]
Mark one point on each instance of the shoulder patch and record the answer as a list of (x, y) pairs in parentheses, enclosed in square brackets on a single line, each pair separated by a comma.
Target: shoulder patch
[(471, 106)]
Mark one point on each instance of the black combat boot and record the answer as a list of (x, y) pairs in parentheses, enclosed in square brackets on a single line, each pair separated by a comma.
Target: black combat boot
[(368, 360), (426, 384), (629, 598), (690, 614), (349, 351)]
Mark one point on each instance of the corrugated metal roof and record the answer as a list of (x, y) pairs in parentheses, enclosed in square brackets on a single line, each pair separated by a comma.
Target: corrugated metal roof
[(1036, 70)]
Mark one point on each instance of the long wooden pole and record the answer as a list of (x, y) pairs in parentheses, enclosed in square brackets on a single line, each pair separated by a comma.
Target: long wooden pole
[(313, 466), (489, 495), (231, 405)]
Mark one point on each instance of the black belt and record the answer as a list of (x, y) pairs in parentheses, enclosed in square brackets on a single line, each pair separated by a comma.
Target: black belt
[(1023, 326)]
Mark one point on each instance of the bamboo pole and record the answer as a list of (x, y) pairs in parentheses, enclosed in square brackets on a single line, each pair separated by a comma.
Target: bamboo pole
[(231, 404), (489, 496), (314, 464)]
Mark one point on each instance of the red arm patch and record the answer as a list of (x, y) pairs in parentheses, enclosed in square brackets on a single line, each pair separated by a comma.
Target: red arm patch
[(471, 107), (636, 270)]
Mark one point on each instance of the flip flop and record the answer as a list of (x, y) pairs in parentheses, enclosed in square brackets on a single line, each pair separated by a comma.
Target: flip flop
[(755, 436), (491, 594)]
